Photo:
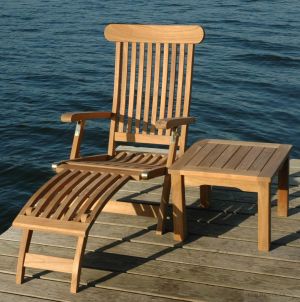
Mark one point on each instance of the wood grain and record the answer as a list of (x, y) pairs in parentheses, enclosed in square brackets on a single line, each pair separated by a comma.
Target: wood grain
[(154, 33)]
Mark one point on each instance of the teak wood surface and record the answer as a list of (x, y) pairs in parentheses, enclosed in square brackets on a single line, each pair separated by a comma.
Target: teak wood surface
[(244, 165), (151, 104)]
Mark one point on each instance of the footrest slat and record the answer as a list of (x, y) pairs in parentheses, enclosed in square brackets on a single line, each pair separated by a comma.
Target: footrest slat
[(50, 225)]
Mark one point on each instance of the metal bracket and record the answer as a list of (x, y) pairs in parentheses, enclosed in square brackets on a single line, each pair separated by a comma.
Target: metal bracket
[(144, 175), (78, 128), (55, 165)]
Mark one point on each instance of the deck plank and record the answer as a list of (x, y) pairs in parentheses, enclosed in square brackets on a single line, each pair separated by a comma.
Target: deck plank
[(148, 252), (12, 297), (59, 291), (183, 280)]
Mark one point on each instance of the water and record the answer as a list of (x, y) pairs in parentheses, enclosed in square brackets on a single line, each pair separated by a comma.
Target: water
[(53, 59)]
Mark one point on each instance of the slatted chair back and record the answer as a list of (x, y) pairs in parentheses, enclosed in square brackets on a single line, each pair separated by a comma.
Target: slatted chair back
[(153, 80)]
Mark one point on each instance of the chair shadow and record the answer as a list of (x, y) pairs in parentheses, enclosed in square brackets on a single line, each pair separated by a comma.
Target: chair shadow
[(102, 260), (230, 212)]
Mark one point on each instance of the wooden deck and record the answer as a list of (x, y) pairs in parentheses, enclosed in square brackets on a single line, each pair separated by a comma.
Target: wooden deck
[(126, 261)]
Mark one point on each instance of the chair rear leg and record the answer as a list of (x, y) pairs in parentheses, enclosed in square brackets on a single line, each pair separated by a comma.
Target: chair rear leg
[(205, 196), (165, 197), (24, 247), (76, 271)]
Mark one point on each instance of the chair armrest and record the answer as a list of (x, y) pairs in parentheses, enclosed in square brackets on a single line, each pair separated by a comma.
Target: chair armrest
[(80, 116), (174, 122)]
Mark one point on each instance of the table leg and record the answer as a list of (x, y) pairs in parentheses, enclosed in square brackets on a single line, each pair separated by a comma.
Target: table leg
[(205, 193), (283, 190), (164, 201), (264, 217), (179, 215)]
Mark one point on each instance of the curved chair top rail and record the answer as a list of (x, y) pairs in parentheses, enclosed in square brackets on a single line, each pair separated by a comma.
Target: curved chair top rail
[(154, 33)]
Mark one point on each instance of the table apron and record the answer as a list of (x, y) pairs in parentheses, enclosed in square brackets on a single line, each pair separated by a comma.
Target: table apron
[(249, 186)]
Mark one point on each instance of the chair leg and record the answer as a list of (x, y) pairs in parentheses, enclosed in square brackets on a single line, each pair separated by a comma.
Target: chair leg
[(24, 247), (283, 190), (76, 271), (163, 205), (205, 194)]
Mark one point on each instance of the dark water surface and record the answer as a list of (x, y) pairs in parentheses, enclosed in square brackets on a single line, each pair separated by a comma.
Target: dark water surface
[(54, 59)]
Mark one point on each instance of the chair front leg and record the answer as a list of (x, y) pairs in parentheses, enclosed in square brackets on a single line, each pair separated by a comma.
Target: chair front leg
[(24, 248), (76, 271)]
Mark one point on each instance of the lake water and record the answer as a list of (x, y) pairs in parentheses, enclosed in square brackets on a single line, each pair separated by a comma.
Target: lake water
[(54, 59)]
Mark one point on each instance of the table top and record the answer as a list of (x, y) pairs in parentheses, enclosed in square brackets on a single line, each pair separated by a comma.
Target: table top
[(235, 158)]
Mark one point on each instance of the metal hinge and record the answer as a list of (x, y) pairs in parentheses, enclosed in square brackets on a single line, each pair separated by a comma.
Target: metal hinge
[(78, 128), (174, 135), (144, 175)]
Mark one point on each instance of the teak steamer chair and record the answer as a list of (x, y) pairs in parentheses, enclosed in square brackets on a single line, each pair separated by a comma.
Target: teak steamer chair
[(151, 101)]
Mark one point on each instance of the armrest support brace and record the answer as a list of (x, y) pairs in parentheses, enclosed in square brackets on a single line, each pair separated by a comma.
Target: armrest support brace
[(173, 123), (80, 118)]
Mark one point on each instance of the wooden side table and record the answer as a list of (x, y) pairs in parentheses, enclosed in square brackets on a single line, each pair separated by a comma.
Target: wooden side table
[(244, 165)]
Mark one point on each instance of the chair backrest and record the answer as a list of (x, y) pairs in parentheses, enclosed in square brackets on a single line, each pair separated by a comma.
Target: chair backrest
[(153, 80)]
